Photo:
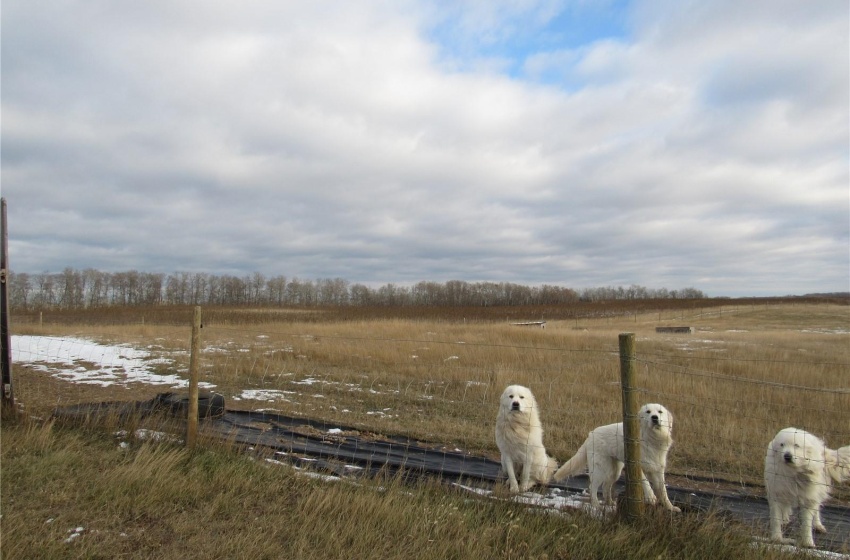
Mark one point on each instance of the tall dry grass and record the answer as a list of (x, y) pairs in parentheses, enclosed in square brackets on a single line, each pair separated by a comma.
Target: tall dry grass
[(746, 372), (71, 493)]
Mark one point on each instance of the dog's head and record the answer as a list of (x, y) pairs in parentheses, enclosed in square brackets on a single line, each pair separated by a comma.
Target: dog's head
[(798, 450), (654, 416), (516, 398)]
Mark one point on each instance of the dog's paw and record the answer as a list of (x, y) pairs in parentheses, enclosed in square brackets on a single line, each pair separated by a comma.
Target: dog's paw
[(781, 540), (674, 509), (820, 528)]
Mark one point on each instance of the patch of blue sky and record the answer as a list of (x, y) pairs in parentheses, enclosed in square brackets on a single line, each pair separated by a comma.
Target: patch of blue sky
[(515, 40)]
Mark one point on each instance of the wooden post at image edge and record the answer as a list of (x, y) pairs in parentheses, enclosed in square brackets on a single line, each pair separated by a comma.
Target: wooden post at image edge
[(7, 398), (633, 506), (192, 419)]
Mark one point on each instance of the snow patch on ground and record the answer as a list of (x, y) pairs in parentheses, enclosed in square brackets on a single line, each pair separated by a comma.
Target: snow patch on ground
[(265, 395), (80, 360)]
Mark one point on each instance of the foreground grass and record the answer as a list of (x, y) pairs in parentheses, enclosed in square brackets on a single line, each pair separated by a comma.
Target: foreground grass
[(159, 500)]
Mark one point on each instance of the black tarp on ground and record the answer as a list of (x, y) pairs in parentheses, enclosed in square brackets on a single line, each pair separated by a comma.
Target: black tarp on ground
[(210, 405), (345, 450)]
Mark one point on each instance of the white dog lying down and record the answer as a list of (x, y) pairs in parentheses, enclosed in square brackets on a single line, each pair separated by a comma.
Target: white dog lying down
[(519, 436), (603, 454), (798, 473)]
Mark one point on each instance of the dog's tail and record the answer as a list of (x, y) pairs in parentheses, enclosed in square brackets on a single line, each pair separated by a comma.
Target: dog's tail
[(838, 463), (576, 465), (543, 471), (549, 469)]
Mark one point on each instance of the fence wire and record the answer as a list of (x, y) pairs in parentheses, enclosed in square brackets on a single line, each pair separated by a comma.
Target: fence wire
[(442, 388)]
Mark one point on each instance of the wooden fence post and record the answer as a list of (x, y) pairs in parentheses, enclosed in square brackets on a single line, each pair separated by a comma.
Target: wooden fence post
[(192, 420), (7, 399), (633, 506)]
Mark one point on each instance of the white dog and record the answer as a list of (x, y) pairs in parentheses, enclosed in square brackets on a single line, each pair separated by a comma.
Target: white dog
[(519, 436), (603, 454), (798, 472)]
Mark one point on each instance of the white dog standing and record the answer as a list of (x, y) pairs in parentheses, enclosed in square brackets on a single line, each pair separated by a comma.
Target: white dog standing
[(603, 455), (519, 435), (798, 473)]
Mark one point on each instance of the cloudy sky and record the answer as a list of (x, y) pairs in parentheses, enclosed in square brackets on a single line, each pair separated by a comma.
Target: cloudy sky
[(664, 143)]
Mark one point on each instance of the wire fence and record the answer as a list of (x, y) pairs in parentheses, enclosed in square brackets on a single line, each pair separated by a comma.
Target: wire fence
[(439, 384)]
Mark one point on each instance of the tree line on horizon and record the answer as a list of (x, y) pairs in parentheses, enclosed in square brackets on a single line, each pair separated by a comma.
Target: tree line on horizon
[(90, 288)]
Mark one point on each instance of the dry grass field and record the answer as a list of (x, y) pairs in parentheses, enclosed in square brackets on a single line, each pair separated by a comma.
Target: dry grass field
[(745, 372), (71, 493)]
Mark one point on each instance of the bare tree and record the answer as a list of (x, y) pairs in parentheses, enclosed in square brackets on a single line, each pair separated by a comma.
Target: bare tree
[(91, 288), (45, 298), (151, 288), (19, 290), (360, 294), (198, 290), (277, 290)]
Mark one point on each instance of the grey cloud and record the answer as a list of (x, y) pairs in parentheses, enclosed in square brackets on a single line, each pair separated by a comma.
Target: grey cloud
[(330, 140)]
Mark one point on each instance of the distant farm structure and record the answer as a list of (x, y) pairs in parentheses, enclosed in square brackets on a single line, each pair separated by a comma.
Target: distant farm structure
[(541, 324)]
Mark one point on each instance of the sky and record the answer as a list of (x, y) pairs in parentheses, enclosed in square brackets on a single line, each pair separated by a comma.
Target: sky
[(663, 143)]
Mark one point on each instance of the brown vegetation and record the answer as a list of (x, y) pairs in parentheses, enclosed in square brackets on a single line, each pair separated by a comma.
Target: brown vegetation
[(750, 369), (79, 494)]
